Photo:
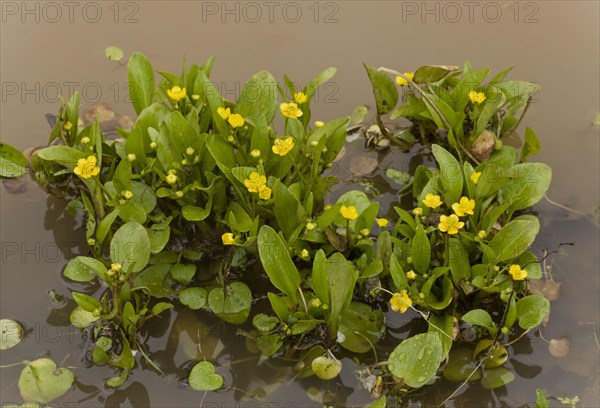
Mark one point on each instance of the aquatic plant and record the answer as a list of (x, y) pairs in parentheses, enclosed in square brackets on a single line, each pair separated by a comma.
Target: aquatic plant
[(180, 207)]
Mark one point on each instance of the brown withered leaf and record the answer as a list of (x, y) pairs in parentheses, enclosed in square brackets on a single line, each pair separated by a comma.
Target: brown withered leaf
[(548, 288), (559, 347), (339, 242)]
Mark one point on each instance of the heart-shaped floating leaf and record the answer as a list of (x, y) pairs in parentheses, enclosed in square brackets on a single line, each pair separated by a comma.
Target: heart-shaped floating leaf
[(194, 298), (326, 368), (42, 382), (204, 378), (496, 378), (11, 333), (461, 365), (417, 359), (231, 304)]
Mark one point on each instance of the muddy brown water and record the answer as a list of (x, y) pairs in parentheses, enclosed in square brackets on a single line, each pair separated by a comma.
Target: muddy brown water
[(52, 48)]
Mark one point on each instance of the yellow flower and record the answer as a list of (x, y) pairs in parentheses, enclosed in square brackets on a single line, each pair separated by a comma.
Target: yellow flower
[(403, 82), (131, 157), (304, 254), (517, 273), (400, 302), (349, 213), (464, 206), (171, 178), (67, 126), (450, 224), (190, 151), (264, 192), (236, 120), (85, 140), (411, 274), (228, 238), (300, 98), (319, 124), (477, 97), (255, 153), (254, 182), (224, 113), (283, 146), (432, 201), (176, 93), (87, 168), (290, 110), (115, 267), (481, 234), (475, 177), (310, 226), (127, 194), (417, 211), (382, 222)]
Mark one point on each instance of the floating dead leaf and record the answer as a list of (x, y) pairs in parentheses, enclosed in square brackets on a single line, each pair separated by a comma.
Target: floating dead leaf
[(339, 242), (548, 288), (363, 165), (559, 347)]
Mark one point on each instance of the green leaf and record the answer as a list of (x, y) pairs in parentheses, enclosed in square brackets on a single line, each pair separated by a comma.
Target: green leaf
[(421, 251), (416, 359), (361, 326), (130, 247), (541, 401), (443, 326), (461, 365), (481, 318), (63, 155), (496, 378), (358, 115), (231, 304), (458, 261), (81, 318), (532, 145), (258, 97), (153, 278), (105, 224), (386, 93), (342, 276), (288, 210), (532, 310), (203, 377), (12, 161), (366, 218), (432, 73), (87, 303), (194, 298), (113, 53), (11, 333), (317, 81), (513, 239), (161, 307), (41, 381), (193, 213), (141, 81), (78, 271), (326, 368), (277, 262), (183, 273), (450, 174), (529, 182), (397, 273), (279, 304), (264, 323)]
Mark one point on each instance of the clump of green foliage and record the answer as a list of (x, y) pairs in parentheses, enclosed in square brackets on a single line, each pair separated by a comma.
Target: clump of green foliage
[(200, 187)]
